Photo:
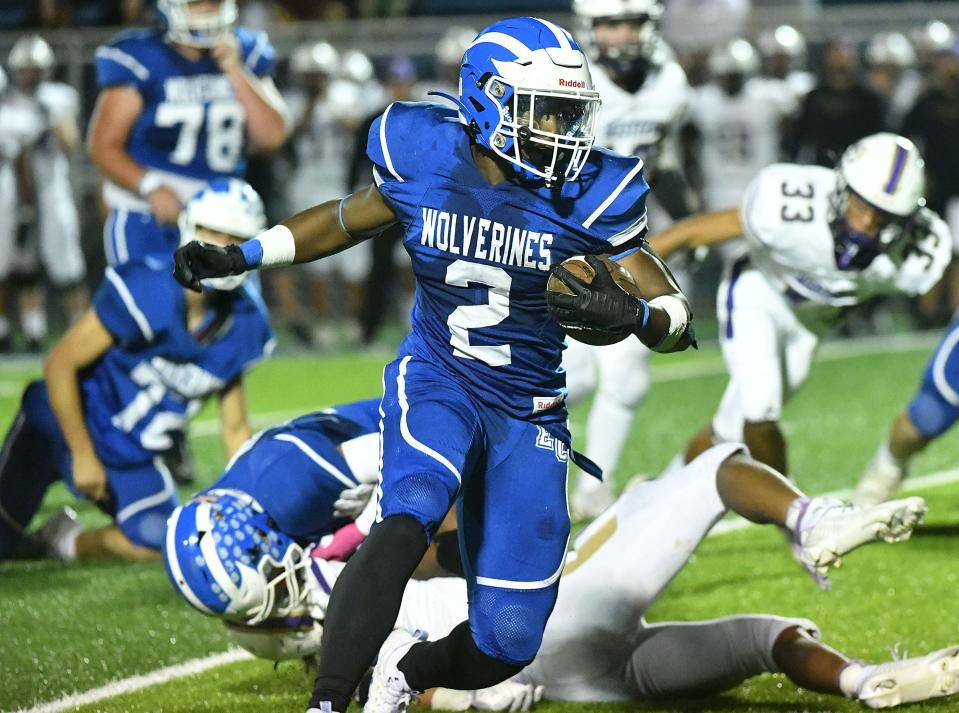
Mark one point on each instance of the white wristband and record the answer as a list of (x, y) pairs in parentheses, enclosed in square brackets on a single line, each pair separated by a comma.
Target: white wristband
[(150, 182), (678, 319), (278, 245)]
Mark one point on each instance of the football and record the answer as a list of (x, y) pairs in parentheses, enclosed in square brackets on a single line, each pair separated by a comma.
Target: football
[(578, 266)]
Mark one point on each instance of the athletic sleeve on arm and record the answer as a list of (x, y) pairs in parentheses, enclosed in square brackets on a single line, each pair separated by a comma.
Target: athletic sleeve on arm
[(620, 218), (118, 64), (131, 310), (257, 52)]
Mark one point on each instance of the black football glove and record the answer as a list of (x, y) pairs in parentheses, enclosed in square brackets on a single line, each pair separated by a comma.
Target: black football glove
[(600, 305), (198, 260)]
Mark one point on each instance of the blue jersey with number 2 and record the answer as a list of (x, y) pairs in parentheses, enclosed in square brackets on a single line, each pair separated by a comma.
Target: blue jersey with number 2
[(482, 253), (191, 123)]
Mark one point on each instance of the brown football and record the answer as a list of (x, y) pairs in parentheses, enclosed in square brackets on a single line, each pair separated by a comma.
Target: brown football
[(581, 269)]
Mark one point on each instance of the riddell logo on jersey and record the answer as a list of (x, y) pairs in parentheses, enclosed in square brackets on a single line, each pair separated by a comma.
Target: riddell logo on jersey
[(572, 83)]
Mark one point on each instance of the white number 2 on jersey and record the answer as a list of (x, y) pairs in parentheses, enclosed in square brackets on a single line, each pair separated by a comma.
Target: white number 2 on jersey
[(460, 274), (224, 126)]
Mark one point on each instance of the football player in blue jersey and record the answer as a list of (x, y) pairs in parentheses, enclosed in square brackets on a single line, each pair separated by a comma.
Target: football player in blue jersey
[(179, 106), (932, 411), (124, 380), (492, 196)]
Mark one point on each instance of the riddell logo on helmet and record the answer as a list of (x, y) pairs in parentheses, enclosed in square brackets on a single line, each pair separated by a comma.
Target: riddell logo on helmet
[(572, 83)]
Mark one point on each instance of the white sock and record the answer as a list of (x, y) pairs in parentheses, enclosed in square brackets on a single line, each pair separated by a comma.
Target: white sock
[(34, 321), (66, 546), (792, 514), (886, 461), (852, 676), (607, 429)]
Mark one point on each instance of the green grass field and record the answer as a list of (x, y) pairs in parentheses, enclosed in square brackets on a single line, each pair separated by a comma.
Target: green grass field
[(66, 629)]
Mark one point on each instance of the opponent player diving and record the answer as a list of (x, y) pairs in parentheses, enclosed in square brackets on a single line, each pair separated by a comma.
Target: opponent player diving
[(273, 596), (491, 194)]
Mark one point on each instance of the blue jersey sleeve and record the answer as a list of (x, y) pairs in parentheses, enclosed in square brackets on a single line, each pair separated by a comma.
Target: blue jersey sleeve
[(133, 303), (256, 51), (121, 62), (619, 218)]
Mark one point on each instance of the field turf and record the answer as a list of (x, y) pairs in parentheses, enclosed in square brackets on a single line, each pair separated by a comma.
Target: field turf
[(71, 628)]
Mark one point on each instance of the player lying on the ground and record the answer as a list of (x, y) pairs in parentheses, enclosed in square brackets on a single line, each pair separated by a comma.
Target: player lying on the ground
[(492, 194), (596, 647), (126, 377), (932, 411), (817, 241)]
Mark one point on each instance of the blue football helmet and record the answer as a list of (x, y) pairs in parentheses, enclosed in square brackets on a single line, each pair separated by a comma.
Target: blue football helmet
[(226, 558), (526, 95), (226, 205), (186, 28)]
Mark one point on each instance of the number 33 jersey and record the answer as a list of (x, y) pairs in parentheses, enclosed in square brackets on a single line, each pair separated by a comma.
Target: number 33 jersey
[(785, 215), (191, 123), (482, 253)]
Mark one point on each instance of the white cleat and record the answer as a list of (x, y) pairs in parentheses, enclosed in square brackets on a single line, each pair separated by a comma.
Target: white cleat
[(827, 529), (58, 533), (877, 484), (911, 680), (389, 692), (589, 502)]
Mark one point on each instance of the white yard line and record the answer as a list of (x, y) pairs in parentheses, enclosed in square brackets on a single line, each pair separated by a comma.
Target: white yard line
[(194, 666), (136, 683)]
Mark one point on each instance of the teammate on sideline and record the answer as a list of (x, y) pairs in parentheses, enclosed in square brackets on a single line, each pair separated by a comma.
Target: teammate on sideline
[(124, 380), (491, 194), (179, 106), (597, 647), (931, 412), (645, 97), (818, 240)]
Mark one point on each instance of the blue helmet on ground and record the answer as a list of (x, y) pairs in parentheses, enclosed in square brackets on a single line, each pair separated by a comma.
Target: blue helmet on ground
[(226, 558), (527, 95)]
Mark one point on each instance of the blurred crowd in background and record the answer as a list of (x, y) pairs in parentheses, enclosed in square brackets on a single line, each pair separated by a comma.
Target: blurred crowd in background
[(753, 100)]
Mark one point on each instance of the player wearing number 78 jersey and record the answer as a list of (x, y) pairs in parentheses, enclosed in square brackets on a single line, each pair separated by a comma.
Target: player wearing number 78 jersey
[(179, 106), (491, 195), (819, 240)]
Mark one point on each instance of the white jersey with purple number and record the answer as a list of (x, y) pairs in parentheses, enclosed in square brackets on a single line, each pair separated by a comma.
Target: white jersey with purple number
[(785, 215)]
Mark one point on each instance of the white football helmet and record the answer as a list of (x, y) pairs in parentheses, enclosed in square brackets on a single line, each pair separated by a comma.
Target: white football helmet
[(935, 36), (185, 28), (315, 58), (227, 205), (452, 45), (890, 48), (31, 52), (785, 40), (628, 63), (356, 67), (734, 57), (886, 172)]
